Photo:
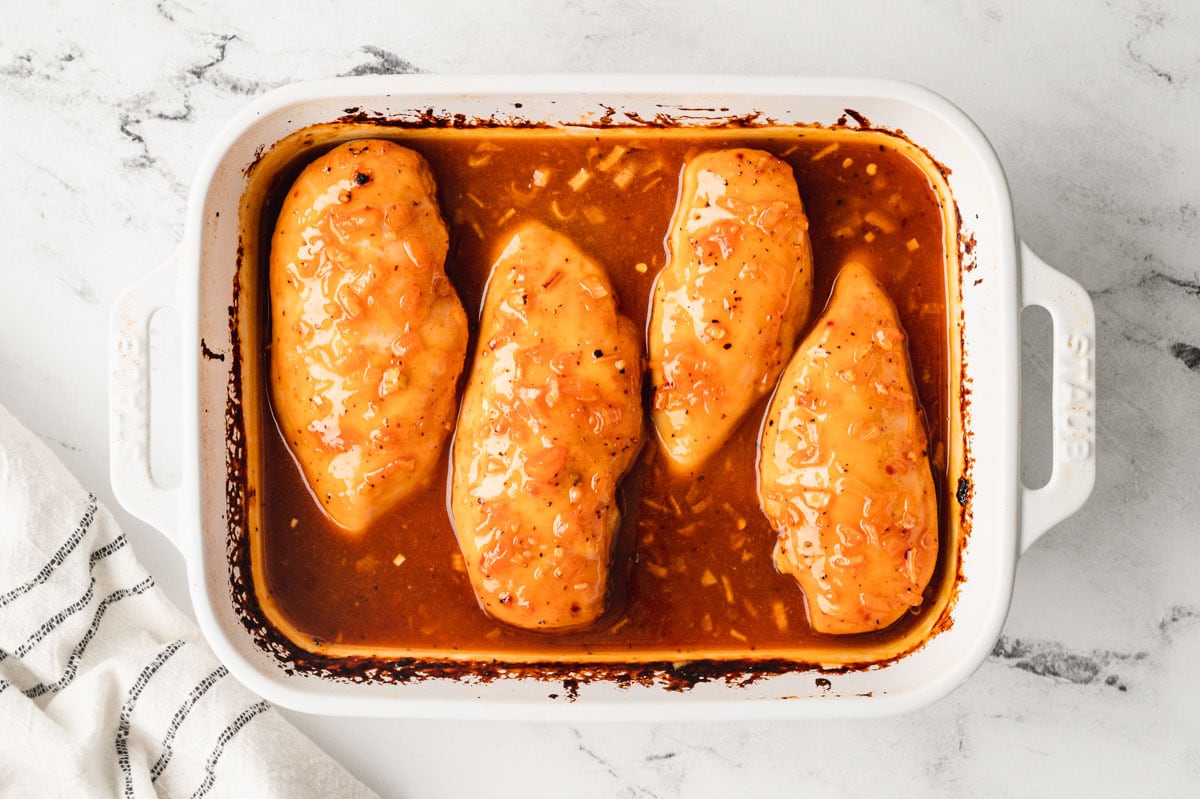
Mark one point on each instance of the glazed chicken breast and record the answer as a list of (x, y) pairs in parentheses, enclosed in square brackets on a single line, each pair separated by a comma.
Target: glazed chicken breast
[(844, 472), (731, 300), (550, 421), (368, 335)]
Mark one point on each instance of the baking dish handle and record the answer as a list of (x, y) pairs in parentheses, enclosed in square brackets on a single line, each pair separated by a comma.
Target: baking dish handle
[(129, 399), (1073, 397)]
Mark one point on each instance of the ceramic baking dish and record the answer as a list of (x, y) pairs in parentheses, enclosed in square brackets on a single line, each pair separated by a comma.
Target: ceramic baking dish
[(996, 277)]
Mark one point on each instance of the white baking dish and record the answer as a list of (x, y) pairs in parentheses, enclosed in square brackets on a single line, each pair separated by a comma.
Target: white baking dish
[(1005, 277)]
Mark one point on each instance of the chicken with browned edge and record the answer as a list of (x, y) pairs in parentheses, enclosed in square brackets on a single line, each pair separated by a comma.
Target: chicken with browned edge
[(368, 335), (844, 471), (551, 420), (731, 300)]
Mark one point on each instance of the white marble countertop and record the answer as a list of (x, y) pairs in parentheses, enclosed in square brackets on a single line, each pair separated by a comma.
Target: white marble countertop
[(1093, 109)]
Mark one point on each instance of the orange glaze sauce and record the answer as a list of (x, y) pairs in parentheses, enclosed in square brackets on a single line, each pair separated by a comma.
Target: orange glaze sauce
[(693, 574)]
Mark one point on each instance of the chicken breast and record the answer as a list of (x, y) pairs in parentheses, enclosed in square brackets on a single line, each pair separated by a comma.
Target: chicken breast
[(844, 473), (731, 300), (368, 335), (550, 421)]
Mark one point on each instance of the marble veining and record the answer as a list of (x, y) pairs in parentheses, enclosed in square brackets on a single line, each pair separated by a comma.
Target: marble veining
[(105, 111), (1049, 659)]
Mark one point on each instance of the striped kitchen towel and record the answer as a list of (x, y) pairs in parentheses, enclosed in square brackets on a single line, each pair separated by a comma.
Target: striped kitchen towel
[(106, 689)]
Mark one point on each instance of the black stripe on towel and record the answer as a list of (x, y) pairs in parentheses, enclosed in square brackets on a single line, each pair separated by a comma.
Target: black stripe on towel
[(66, 549), (210, 765), (121, 743), (76, 606), (77, 653), (168, 751)]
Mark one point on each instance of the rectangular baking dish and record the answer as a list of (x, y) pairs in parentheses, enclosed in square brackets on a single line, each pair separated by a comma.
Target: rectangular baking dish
[(997, 276)]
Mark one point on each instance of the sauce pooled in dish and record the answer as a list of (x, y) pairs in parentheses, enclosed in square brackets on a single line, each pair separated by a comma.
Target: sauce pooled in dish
[(690, 570)]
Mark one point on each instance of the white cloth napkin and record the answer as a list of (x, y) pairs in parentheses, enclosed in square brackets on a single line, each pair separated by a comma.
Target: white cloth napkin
[(106, 689)]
